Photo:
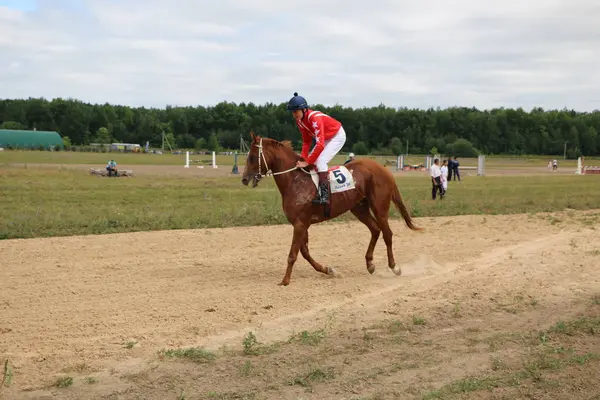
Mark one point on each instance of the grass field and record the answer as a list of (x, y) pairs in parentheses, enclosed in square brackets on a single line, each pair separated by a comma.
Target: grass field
[(100, 159), (56, 202)]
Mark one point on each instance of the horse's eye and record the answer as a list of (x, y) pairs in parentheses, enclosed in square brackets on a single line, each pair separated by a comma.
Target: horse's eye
[(252, 159)]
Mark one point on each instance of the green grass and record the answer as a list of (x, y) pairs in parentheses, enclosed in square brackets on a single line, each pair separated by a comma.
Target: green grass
[(43, 202), (100, 159), (72, 157), (63, 382), (195, 354), (6, 375), (123, 159)]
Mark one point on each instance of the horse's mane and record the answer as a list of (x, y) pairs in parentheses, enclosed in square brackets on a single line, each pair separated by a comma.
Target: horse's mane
[(285, 145)]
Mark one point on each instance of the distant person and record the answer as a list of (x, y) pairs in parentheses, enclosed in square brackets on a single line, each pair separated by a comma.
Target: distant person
[(350, 158), (455, 165), (444, 176), (112, 167), (436, 180), (554, 165), (450, 168)]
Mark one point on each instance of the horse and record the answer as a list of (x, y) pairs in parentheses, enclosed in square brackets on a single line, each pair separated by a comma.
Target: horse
[(362, 186)]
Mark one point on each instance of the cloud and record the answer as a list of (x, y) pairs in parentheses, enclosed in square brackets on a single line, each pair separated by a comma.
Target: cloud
[(415, 54)]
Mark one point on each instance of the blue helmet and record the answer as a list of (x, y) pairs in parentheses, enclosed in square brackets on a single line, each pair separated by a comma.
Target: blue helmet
[(297, 103)]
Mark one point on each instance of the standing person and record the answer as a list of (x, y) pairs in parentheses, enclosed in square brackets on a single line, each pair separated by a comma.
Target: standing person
[(436, 179), (455, 165), (450, 168), (444, 176), (329, 136)]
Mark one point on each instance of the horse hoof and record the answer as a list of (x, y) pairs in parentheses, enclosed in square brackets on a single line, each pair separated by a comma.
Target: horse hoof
[(371, 268), (282, 283), (332, 272), (397, 270)]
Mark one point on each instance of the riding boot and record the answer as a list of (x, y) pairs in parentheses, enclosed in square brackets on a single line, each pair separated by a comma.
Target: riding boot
[(323, 192)]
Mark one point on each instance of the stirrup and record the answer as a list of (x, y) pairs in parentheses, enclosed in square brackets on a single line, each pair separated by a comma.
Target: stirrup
[(321, 198), (318, 199)]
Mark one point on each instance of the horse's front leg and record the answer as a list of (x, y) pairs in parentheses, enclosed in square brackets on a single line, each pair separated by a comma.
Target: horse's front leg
[(318, 267), (300, 232)]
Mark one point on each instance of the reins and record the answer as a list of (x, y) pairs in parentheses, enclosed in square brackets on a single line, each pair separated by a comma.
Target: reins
[(261, 156)]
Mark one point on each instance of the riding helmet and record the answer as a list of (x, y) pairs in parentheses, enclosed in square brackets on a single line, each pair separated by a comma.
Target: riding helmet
[(297, 103)]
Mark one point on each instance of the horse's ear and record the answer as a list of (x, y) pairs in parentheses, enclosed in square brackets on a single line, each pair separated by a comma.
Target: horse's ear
[(255, 138)]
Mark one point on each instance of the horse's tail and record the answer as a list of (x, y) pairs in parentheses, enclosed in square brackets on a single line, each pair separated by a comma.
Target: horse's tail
[(397, 199)]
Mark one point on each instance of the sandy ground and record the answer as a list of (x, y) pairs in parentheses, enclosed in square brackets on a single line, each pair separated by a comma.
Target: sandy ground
[(70, 305)]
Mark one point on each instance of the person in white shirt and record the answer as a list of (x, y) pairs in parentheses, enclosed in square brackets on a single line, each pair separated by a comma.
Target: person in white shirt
[(436, 179), (444, 170)]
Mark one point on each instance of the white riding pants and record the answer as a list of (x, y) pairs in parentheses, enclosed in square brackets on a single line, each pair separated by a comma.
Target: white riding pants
[(330, 149)]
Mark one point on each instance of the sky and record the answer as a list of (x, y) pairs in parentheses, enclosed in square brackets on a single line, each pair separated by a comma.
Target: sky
[(416, 54)]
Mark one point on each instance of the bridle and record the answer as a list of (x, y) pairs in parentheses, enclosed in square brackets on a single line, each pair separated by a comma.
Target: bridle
[(261, 156)]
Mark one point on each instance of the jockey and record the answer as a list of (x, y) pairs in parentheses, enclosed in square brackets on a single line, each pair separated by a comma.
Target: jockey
[(329, 136)]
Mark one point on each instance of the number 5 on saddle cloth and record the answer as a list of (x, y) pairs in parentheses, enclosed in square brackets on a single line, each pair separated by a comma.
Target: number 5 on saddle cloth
[(340, 180)]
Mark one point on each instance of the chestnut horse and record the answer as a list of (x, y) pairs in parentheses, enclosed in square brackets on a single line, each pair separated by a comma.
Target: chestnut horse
[(375, 188)]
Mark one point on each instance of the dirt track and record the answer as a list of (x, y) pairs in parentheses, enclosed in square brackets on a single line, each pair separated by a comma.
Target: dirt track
[(69, 305)]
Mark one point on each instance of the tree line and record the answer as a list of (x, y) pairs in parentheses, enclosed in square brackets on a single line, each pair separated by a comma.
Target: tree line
[(461, 131)]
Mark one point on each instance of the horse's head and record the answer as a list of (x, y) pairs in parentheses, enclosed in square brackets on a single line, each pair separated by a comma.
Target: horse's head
[(256, 167), (266, 154)]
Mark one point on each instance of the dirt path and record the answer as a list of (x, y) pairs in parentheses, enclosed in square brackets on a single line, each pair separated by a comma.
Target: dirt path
[(98, 308)]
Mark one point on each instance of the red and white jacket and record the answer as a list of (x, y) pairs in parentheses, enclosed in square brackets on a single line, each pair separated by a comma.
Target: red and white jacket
[(319, 126)]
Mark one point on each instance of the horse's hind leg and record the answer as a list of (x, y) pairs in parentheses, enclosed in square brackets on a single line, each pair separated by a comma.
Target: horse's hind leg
[(318, 267), (361, 211)]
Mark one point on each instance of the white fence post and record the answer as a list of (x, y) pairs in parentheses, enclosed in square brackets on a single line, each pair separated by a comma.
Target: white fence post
[(400, 162), (481, 166)]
